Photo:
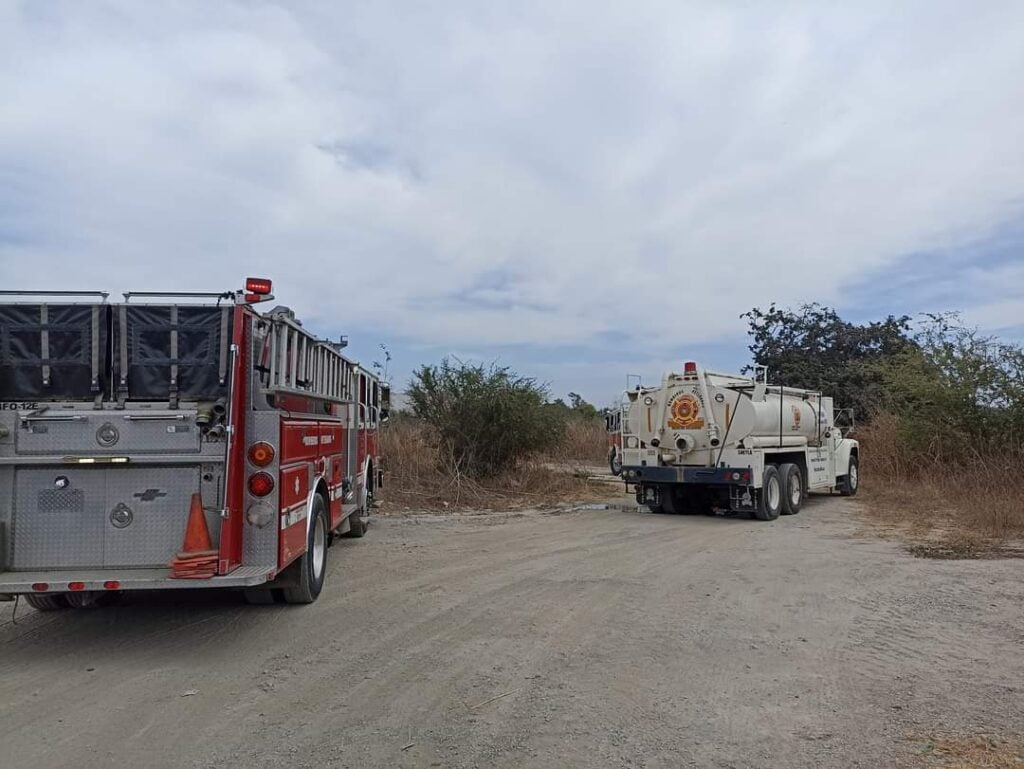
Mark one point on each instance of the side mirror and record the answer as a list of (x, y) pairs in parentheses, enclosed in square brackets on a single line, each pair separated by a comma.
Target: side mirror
[(385, 415)]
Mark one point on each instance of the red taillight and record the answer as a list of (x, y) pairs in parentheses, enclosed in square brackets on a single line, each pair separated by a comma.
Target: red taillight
[(76, 586), (261, 454), (689, 367), (111, 584), (40, 587), (258, 286), (261, 484)]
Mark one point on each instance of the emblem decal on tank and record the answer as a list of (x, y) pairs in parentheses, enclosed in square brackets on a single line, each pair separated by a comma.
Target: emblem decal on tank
[(684, 413)]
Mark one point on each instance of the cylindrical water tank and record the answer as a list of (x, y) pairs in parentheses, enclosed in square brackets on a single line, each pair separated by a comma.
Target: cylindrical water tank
[(787, 416)]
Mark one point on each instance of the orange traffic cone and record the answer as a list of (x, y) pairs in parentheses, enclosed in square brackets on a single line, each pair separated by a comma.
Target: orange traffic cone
[(198, 559)]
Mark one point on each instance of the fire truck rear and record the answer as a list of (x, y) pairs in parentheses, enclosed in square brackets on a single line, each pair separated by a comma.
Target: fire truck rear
[(177, 440)]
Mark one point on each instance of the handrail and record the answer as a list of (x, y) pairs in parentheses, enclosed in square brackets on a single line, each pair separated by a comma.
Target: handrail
[(218, 295), (103, 294)]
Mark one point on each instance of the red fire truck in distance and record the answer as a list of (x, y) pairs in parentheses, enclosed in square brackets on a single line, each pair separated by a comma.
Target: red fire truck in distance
[(177, 440)]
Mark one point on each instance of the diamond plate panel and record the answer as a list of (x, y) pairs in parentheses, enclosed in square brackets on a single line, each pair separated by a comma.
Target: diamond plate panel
[(259, 546), (86, 436), (159, 500), (57, 528), (61, 501)]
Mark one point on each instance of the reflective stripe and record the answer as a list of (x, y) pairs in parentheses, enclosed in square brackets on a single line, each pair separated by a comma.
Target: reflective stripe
[(294, 515)]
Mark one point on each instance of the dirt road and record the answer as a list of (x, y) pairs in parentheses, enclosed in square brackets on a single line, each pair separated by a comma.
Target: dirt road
[(586, 639)]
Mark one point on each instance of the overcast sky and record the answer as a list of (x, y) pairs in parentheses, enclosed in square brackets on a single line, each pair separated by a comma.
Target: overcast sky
[(578, 189)]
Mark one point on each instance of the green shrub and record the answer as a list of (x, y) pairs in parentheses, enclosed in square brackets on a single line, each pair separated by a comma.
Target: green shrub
[(955, 391), (487, 418)]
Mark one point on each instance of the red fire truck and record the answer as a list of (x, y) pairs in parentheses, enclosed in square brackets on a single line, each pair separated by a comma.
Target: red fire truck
[(177, 440)]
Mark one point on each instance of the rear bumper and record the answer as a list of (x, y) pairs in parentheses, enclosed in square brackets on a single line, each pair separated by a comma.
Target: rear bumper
[(695, 475), (17, 582)]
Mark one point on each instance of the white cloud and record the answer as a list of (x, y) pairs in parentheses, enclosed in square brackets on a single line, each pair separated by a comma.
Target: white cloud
[(529, 173)]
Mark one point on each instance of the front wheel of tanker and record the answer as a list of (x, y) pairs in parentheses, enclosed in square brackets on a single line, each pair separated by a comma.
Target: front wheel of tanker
[(47, 601), (312, 567), (769, 497), (851, 482)]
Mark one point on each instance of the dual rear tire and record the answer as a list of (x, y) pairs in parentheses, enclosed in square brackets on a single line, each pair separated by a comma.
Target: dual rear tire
[(792, 488), (781, 492), (59, 601), (47, 601)]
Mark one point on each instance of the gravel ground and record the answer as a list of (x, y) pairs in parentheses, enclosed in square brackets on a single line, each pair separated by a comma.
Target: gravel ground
[(593, 638)]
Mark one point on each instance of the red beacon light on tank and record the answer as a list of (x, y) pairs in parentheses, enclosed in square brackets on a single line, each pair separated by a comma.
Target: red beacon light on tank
[(690, 368), (257, 289)]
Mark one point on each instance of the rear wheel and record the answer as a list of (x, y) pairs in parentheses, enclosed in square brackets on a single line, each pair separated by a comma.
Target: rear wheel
[(769, 497), (312, 567), (851, 482), (47, 601), (792, 488), (90, 599)]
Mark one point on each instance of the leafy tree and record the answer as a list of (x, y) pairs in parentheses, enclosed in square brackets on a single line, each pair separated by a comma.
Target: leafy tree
[(814, 348), (954, 389), (576, 408), (487, 417), (580, 407)]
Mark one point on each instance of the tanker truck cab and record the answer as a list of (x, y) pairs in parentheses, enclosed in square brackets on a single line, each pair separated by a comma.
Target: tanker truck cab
[(704, 441)]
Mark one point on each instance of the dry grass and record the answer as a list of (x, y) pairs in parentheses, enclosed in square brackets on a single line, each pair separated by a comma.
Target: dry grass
[(979, 751), (415, 479), (585, 443), (961, 502)]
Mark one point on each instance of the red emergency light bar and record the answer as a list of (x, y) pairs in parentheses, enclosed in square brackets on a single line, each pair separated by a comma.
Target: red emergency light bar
[(259, 286)]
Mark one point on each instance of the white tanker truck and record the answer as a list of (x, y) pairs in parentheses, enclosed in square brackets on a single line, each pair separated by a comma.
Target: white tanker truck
[(711, 442)]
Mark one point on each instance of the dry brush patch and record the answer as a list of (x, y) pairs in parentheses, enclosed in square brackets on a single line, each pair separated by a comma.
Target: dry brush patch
[(976, 751), (952, 501), (418, 479), (585, 443)]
